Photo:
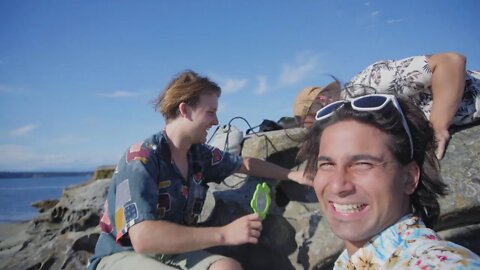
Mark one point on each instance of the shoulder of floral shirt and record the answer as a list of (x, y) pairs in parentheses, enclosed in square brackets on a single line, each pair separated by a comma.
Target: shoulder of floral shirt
[(425, 249), (409, 243)]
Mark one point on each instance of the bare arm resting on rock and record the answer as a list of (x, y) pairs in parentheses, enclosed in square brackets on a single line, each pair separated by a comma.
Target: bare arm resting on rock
[(260, 168), (448, 84)]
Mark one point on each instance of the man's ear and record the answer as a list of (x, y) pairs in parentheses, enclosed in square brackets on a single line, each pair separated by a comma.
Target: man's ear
[(184, 110), (412, 177)]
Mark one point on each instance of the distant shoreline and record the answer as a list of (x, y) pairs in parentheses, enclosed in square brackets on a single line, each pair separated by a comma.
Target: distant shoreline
[(42, 174)]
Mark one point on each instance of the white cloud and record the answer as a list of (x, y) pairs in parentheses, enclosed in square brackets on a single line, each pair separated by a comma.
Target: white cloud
[(5, 89), (393, 21), (26, 158), (118, 94), (22, 131), (304, 66), (68, 139), (371, 21), (262, 84), (233, 85), (16, 157), (9, 88), (228, 84)]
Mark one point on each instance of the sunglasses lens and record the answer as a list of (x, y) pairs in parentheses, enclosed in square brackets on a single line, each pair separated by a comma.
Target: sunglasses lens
[(327, 110), (372, 101)]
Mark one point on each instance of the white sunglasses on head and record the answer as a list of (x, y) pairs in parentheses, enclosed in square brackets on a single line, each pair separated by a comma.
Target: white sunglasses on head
[(373, 102)]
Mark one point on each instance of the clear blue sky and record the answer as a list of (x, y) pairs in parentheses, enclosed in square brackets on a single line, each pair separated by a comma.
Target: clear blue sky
[(77, 77)]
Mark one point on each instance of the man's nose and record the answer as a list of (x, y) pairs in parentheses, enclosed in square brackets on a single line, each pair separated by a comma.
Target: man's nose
[(215, 120), (341, 183)]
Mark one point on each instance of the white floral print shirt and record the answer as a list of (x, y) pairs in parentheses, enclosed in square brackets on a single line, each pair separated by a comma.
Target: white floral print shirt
[(411, 77), (409, 244)]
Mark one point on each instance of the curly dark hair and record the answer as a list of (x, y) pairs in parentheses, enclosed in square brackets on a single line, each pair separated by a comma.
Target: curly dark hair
[(389, 120)]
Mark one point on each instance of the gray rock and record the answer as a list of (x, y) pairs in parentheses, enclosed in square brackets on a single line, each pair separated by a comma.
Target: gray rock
[(461, 171)]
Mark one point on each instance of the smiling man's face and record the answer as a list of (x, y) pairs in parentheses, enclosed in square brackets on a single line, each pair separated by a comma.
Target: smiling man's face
[(204, 116), (360, 185)]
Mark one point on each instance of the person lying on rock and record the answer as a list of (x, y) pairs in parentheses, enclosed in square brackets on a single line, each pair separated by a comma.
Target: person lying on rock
[(377, 179), (159, 188), (439, 84), (447, 93)]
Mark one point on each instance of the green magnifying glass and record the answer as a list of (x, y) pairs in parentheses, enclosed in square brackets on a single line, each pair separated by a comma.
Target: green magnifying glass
[(260, 202)]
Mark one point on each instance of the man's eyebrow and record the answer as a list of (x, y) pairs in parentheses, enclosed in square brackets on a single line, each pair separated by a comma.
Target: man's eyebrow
[(354, 158), (367, 157), (323, 158)]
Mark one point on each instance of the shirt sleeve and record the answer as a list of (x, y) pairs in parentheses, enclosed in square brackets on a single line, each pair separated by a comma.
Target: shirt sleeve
[(135, 189)]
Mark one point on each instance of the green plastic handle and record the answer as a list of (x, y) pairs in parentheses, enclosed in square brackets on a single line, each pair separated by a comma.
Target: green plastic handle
[(261, 200)]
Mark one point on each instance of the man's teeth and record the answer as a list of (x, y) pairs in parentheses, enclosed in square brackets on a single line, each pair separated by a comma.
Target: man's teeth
[(348, 208)]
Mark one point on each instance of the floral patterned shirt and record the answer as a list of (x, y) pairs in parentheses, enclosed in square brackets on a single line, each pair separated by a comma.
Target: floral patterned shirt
[(409, 244), (412, 77)]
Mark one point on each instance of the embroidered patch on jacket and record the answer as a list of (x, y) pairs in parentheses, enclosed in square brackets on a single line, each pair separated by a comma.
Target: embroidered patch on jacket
[(136, 147), (105, 223), (122, 195), (198, 177), (163, 204), (164, 184), (217, 156), (131, 213), (119, 221), (137, 152)]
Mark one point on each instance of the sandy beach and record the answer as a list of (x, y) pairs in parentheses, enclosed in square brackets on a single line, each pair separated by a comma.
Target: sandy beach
[(8, 230)]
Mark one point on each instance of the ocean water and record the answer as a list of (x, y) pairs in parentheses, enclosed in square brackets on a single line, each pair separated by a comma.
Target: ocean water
[(18, 194)]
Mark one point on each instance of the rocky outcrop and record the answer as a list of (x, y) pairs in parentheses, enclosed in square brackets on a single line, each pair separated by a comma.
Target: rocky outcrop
[(43, 206), (295, 235), (103, 172), (63, 237)]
